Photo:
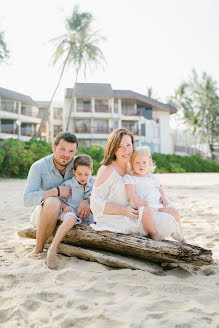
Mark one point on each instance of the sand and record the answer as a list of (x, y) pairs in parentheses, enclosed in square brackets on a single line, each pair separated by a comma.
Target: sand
[(86, 294)]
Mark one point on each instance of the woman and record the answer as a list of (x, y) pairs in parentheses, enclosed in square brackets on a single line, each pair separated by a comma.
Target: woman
[(109, 202)]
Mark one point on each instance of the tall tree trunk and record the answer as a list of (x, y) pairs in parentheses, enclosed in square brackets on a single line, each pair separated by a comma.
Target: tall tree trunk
[(72, 100), (50, 102)]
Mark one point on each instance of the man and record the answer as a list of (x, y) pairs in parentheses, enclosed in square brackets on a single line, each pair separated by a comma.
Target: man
[(42, 187)]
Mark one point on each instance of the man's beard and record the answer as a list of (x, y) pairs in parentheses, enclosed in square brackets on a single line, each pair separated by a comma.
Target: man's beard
[(57, 162)]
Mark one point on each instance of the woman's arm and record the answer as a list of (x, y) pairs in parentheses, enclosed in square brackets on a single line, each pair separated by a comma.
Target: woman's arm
[(99, 197), (130, 190)]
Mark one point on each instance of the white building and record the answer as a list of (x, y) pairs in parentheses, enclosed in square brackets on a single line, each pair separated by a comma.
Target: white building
[(18, 115), (97, 109)]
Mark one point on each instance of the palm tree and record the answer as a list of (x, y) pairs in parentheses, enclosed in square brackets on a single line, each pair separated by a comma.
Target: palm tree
[(199, 103), (77, 47), (150, 93), (4, 53), (207, 100)]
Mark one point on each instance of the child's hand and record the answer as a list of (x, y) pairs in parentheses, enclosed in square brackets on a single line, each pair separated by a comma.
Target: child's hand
[(142, 203), (67, 209), (163, 201)]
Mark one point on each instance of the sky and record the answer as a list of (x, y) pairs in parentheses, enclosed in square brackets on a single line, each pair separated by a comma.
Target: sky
[(149, 43)]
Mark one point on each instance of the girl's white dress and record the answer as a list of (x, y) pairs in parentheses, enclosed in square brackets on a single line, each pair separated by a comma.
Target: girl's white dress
[(113, 191), (146, 188)]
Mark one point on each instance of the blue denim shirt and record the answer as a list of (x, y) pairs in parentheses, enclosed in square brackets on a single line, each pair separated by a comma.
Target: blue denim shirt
[(43, 175), (78, 192)]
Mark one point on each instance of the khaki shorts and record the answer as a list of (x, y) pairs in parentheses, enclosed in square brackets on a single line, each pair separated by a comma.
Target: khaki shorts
[(34, 218), (35, 215)]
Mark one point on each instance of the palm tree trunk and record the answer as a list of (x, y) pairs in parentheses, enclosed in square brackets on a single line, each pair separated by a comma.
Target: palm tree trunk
[(72, 100), (48, 107)]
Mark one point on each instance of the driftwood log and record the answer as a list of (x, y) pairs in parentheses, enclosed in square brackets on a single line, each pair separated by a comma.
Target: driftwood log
[(136, 246), (109, 259)]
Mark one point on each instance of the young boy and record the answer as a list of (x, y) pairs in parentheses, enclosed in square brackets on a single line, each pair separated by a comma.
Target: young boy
[(81, 185)]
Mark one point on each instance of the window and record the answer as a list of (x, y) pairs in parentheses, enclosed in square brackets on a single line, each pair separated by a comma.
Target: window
[(128, 107), (7, 126), (7, 105), (26, 129), (100, 126), (115, 124), (100, 142), (82, 126), (116, 105), (132, 127), (58, 113), (83, 105), (101, 105), (84, 142), (26, 110)]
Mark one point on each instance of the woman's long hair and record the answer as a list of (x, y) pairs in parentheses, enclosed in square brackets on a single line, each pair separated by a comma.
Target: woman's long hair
[(113, 143)]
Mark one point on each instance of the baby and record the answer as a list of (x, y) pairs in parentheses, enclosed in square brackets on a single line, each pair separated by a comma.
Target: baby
[(144, 189), (81, 185)]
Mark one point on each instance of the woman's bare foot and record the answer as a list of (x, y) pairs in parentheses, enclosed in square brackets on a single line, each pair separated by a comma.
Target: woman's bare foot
[(51, 260), (183, 241), (156, 236)]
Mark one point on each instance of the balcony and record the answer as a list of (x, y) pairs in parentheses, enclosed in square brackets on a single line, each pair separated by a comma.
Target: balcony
[(102, 109), (88, 129), (131, 112), (83, 108)]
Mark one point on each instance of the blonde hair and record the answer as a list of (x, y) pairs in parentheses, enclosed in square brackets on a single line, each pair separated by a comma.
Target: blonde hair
[(143, 151), (113, 143)]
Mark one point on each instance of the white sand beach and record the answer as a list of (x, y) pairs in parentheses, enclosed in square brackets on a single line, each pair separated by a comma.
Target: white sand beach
[(87, 294)]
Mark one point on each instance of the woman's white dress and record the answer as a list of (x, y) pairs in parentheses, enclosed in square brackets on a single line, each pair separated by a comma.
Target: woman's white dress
[(113, 191)]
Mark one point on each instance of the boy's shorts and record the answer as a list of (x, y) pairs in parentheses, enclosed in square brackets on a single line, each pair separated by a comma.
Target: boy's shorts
[(34, 218)]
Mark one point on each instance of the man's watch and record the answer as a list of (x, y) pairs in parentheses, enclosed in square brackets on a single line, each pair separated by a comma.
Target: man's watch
[(87, 198)]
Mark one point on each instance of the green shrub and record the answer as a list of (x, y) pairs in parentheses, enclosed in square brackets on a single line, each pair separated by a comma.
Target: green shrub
[(16, 157), (179, 164)]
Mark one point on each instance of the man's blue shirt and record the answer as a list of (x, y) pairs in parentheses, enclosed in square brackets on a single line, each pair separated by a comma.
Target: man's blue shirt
[(43, 175)]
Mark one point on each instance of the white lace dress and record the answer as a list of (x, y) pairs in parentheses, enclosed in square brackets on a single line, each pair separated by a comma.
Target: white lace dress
[(113, 191)]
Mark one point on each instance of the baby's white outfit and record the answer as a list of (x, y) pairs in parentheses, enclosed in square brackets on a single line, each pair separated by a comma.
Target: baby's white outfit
[(147, 189)]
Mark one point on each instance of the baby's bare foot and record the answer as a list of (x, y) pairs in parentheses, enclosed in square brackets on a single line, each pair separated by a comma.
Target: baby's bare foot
[(51, 260), (156, 236)]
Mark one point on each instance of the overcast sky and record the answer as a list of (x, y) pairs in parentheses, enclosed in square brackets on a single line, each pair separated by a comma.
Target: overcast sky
[(148, 43)]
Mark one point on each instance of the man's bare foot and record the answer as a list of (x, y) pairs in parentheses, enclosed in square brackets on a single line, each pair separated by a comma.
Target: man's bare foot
[(51, 260), (37, 251), (156, 236)]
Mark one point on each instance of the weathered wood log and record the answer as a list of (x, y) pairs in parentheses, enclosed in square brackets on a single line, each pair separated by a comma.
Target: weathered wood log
[(132, 245), (109, 259)]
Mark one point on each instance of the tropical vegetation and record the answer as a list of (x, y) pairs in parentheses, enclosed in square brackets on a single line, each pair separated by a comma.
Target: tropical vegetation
[(16, 157), (4, 52), (77, 48), (197, 101)]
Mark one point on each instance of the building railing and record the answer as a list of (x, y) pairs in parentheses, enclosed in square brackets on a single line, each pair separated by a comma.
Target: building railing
[(102, 109), (129, 112), (7, 129), (88, 129), (135, 131), (84, 108)]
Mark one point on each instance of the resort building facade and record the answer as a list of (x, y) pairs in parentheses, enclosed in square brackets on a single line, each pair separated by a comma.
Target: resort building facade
[(93, 110), (19, 115)]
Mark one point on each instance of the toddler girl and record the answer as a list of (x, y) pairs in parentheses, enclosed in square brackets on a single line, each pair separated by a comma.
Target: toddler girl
[(144, 189)]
